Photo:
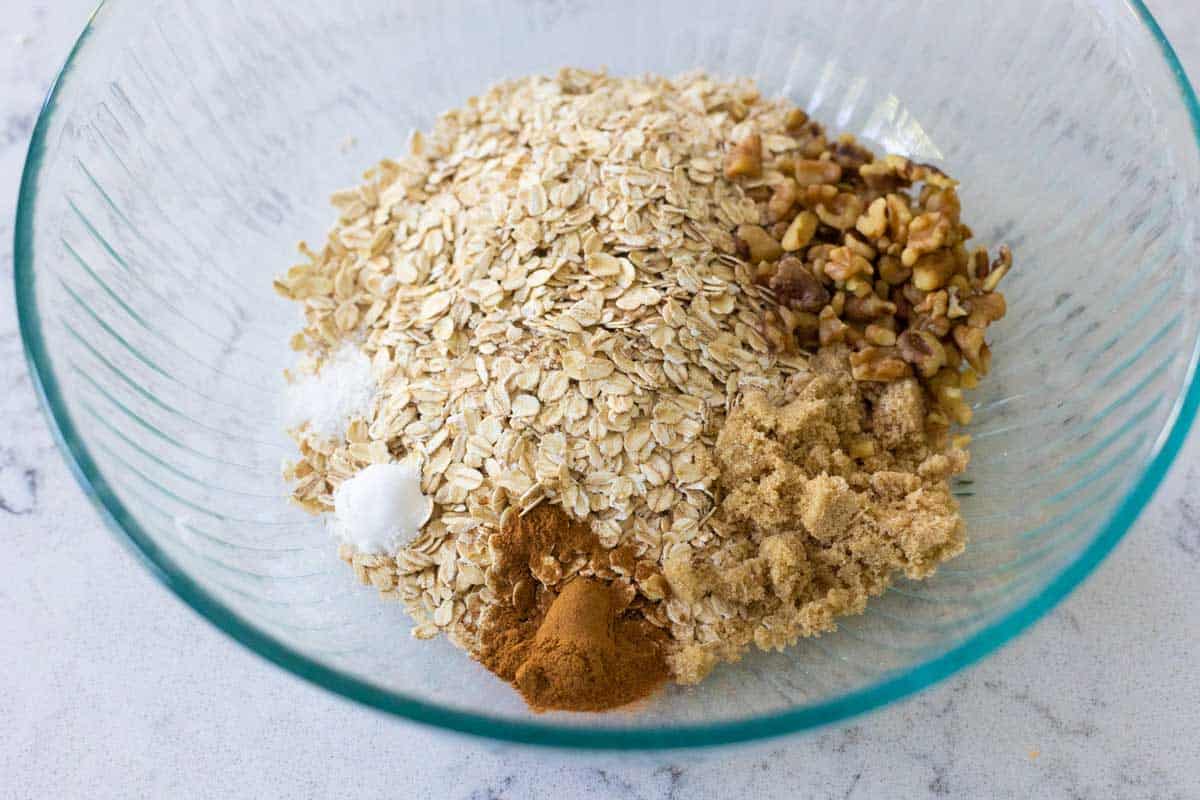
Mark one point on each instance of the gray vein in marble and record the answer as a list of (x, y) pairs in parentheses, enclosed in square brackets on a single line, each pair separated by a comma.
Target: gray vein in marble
[(1186, 536), (18, 485)]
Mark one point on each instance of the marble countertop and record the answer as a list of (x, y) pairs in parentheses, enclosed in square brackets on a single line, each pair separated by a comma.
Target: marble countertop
[(112, 687)]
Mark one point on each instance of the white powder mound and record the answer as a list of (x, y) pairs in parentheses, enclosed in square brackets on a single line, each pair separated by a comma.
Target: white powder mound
[(381, 507), (343, 388)]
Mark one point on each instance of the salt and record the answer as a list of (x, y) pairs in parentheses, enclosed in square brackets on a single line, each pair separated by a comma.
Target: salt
[(381, 507), (343, 388)]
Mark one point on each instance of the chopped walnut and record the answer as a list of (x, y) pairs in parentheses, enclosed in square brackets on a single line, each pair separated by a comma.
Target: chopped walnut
[(794, 121), (923, 350), (955, 309), (854, 254), (760, 245), (810, 172), (881, 364), (841, 212), (873, 222), (926, 233), (815, 195), (935, 304), (892, 271), (800, 231), (783, 199), (830, 329), (899, 215), (938, 326), (881, 176), (947, 391), (879, 335), (868, 308), (970, 343), (858, 287), (860, 247), (844, 264), (998, 269), (850, 154), (933, 270), (985, 309), (796, 287), (945, 202), (744, 159)]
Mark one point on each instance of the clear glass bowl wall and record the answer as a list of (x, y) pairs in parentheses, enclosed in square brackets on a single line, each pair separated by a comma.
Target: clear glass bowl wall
[(188, 146)]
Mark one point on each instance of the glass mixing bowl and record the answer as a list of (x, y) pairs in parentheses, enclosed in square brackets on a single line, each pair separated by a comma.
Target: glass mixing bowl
[(188, 145)]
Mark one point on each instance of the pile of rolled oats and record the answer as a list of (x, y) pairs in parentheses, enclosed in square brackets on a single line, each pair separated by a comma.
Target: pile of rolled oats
[(568, 286)]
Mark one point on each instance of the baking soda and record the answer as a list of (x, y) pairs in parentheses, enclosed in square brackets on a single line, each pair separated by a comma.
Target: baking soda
[(343, 388), (381, 507)]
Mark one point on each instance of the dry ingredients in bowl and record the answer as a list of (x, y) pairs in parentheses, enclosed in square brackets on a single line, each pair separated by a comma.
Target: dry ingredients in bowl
[(676, 372)]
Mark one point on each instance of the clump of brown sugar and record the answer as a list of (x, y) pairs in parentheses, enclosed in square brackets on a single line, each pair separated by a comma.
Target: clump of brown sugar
[(577, 649), (828, 491)]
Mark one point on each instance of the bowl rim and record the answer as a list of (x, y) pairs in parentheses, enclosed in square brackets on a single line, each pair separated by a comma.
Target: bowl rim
[(121, 522)]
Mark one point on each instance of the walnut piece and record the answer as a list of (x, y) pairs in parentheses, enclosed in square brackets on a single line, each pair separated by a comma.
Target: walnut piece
[(830, 329), (867, 308), (810, 172), (880, 335), (998, 270), (783, 198), (985, 309), (926, 233), (923, 350), (970, 343), (844, 264), (760, 245), (800, 231), (892, 271), (873, 222), (744, 159), (795, 120), (796, 287), (882, 364), (841, 212), (933, 270), (850, 154)]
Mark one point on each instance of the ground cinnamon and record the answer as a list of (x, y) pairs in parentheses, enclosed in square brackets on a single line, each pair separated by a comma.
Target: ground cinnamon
[(574, 650)]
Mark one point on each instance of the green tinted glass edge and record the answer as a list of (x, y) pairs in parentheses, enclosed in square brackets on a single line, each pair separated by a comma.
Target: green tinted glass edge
[(121, 522)]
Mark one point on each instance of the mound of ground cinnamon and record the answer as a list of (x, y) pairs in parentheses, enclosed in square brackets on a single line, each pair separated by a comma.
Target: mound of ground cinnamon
[(575, 650)]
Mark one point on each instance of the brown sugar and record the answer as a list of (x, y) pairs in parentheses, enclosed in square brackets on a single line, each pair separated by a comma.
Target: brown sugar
[(827, 493), (577, 650)]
